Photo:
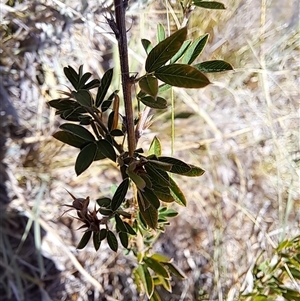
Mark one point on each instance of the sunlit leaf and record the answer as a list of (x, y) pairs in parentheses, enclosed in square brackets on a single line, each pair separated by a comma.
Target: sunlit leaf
[(158, 103), (177, 193), (120, 194), (104, 86), (107, 149), (149, 285), (213, 66), (147, 45), (124, 239), (168, 213), (174, 270), (85, 158), (161, 258), (155, 147), (96, 240), (112, 241), (180, 52), (209, 4), (69, 139), (84, 240), (194, 172), (161, 34), (178, 166), (181, 75), (165, 50), (149, 85), (155, 297), (195, 49), (165, 283), (83, 97), (148, 212), (78, 131), (157, 267)]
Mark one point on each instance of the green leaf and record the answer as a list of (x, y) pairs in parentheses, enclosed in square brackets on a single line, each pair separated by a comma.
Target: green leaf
[(158, 103), (157, 267), (92, 84), (195, 49), (150, 197), (177, 193), (174, 270), (155, 297), (180, 52), (163, 193), (137, 179), (169, 213), (78, 131), (147, 45), (96, 240), (165, 50), (149, 85), (148, 212), (194, 172), (104, 86), (146, 279), (116, 133), (62, 104), (124, 239), (129, 229), (112, 241), (120, 194), (165, 283), (107, 149), (83, 97), (178, 166), (103, 234), (161, 34), (69, 139), (85, 77), (155, 147), (157, 175), (161, 258), (103, 202), (84, 240), (120, 224), (209, 4), (213, 66), (181, 75), (72, 76), (85, 158)]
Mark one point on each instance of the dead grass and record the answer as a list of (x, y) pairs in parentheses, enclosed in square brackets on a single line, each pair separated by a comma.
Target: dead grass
[(243, 129)]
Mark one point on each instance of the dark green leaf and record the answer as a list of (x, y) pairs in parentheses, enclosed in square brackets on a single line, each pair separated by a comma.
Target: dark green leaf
[(84, 240), (69, 139), (137, 179), (80, 71), (106, 105), (157, 175), (159, 164), (155, 147), (181, 75), (165, 50), (103, 234), (169, 213), (104, 86), (92, 84), (209, 4), (158, 103), (194, 172), (71, 115), (178, 166), (120, 224), (174, 270), (157, 267), (112, 241), (110, 120), (149, 85), (72, 76), (103, 202), (83, 97), (180, 52), (161, 34), (62, 104), (177, 193), (124, 239), (116, 133), (147, 45), (107, 149), (129, 229), (149, 285), (78, 131), (163, 193), (120, 194), (213, 66), (85, 120), (85, 77), (195, 49), (96, 240), (148, 212), (150, 197), (85, 158)]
